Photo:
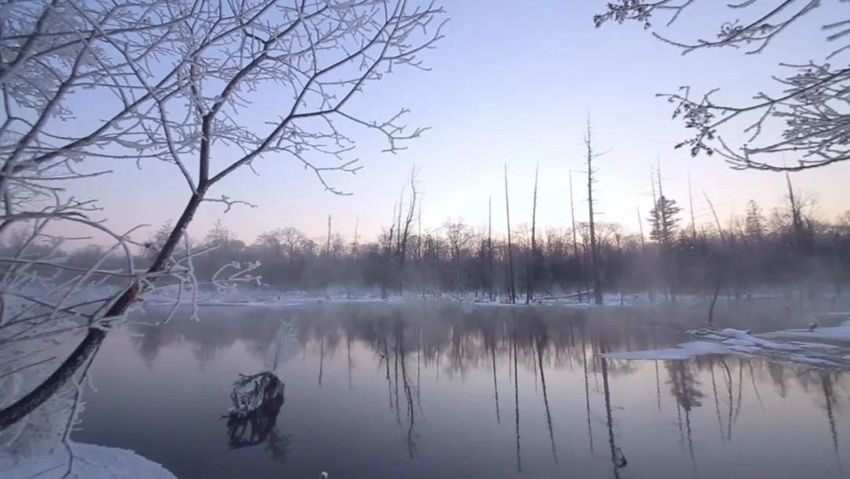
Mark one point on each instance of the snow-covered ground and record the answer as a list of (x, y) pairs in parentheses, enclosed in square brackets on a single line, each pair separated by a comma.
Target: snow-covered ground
[(90, 462)]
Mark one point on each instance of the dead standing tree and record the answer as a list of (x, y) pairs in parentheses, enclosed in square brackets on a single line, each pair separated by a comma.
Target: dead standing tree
[(511, 285), (219, 59), (532, 262), (579, 258), (489, 270), (594, 247)]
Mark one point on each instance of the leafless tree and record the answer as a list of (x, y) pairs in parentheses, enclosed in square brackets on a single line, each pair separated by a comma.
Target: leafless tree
[(808, 102), (458, 235), (185, 83), (594, 247), (489, 270), (404, 228), (532, 262), (574, 229), (511, 284)]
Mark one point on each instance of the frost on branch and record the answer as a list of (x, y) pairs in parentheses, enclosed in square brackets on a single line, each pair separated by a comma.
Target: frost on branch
[(803, 114), (174, 82)]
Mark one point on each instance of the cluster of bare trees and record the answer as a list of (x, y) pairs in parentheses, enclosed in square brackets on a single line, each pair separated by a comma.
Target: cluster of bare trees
[(786, 250)]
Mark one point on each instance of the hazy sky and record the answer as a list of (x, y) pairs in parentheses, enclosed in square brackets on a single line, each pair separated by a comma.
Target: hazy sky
[(514, 82)]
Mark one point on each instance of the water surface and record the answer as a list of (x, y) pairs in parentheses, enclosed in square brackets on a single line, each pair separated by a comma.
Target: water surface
[(436, 390)]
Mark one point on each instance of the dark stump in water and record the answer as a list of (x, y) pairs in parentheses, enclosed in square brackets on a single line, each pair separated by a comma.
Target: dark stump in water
[(252, 392), (252, 420)]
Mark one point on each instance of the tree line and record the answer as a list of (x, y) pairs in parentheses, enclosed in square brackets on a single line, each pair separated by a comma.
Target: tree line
[(787, 249)]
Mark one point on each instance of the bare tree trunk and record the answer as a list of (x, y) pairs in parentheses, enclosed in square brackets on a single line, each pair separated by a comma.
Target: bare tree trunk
[(691, 207), (327, 267), (404, 233), (579, 258), (713, 302), (328, 243), (386, 265), (511, 285), (717, 273), (354, 248), (594, 249), (530, 268), (796, 216), (490, 248), (650, 287), (419, 233)]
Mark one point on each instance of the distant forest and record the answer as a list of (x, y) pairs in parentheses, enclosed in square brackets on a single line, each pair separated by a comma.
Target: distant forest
[(785, 250)]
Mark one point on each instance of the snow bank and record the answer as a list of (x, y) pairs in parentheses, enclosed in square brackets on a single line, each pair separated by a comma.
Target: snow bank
[(90, 462)]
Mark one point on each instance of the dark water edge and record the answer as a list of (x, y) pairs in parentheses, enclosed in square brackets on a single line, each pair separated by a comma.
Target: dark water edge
[(441, 390)]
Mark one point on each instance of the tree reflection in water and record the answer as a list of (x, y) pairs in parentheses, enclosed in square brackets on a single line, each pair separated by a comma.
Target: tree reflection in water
[(496, 350)]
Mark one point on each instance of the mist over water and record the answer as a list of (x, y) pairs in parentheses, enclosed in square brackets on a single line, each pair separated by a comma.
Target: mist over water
[(427, 389)]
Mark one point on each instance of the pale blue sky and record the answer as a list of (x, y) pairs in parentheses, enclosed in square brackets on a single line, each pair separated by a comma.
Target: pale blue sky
[(513, 82)]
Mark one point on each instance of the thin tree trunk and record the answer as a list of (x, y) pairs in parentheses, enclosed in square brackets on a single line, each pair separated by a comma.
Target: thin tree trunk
[(326, 273), (594, 251), (691, 207), (643, 248), (579, 258), (490, 248), (531, 270), (713, 302), (511, 284)]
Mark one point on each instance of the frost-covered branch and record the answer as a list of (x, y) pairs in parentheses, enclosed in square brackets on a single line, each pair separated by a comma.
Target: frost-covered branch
[(208, 86), (803, 114)]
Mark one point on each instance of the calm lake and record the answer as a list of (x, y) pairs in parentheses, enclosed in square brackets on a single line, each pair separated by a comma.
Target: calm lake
[(424, 390)]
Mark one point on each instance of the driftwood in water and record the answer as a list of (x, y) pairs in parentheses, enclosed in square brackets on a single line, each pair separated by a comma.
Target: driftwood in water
[(252, 420), (251, 393)]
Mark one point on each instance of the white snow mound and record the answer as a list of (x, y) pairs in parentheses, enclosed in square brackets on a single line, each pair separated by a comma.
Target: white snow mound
[(90, 462)]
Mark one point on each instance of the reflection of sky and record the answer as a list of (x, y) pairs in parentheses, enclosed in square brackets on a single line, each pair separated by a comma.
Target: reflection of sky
[(167, 405), (514, 83)]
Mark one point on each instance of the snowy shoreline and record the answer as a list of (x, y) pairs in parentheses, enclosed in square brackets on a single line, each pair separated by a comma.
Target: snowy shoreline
[(90, 462)]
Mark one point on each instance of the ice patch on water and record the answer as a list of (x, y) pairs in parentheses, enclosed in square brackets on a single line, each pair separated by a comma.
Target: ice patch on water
[(837, 333), (738, 337), (683, 351), (743, 343)]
